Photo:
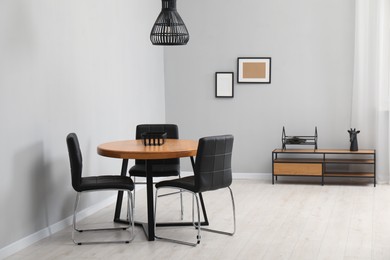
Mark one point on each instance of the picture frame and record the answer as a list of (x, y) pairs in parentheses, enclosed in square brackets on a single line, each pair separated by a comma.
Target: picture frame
[(254, 70), (224, 84)]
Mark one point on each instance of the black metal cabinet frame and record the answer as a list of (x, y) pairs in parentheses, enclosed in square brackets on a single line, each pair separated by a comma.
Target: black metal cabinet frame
[(322, 163)]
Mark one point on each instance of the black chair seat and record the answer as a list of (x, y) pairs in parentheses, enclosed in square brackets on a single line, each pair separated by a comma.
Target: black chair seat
[(187, 183), (104, 182), (158, 170)]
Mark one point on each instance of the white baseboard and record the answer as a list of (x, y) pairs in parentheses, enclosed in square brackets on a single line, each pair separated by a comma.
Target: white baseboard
[(240, 175), (252, 176), (46, 232)]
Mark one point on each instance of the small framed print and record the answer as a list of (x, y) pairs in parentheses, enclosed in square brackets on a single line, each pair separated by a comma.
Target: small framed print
[(254, 70), (224, 84)]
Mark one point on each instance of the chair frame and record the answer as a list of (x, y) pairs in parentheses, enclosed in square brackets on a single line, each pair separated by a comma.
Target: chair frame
[(130, 216), (114, 183), (196, 225)]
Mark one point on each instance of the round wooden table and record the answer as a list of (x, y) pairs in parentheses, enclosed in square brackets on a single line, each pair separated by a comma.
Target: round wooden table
[(135, 149)]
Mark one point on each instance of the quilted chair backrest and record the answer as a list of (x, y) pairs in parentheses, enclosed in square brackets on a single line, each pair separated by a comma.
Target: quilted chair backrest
[(213, 168), (172, 133), (171, 130)]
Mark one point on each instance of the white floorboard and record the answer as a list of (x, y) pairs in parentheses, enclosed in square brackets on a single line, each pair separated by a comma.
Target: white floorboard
[(288, 220)]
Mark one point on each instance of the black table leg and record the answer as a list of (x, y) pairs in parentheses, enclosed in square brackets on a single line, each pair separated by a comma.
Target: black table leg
[(149, 226), (118, 207), (150, 197)]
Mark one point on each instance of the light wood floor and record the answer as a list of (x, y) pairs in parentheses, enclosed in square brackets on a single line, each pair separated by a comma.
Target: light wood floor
[(288, 220)]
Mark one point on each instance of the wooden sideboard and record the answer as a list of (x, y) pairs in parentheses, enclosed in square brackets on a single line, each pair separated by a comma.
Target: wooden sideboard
[(324, 163)]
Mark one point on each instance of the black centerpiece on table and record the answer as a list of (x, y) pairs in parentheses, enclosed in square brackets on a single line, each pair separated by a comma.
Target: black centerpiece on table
[(155, 138)]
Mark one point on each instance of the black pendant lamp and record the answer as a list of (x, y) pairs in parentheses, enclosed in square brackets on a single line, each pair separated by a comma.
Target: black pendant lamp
[(169, 28)]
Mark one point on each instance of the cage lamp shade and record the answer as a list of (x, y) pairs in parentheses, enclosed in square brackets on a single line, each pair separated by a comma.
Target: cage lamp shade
[(169, 28)]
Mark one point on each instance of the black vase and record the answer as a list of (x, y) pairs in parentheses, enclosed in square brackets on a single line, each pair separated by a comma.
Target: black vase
[(354, 146)]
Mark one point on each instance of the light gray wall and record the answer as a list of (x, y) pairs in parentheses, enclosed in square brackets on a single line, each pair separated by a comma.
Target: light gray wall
[(311, 43), (69, 65)]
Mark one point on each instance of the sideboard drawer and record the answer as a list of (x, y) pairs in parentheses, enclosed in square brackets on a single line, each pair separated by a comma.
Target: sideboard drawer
[(307, 169)]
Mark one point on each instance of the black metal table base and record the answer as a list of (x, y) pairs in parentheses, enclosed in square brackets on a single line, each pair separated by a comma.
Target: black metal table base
[(145, 225), (167, 224), (149, 230), (161, 224)]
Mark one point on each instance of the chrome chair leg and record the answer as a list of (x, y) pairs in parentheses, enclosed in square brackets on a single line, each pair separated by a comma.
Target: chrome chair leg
[(134, 194), (181, 203), (131, 224), (234, 220), (181, 200), (130, 212), (167, 194), (74, 213), (198, 226)]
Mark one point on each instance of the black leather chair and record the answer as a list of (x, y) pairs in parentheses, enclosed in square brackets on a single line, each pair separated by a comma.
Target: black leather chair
[(160, 168), (96, 183), (212, 171)]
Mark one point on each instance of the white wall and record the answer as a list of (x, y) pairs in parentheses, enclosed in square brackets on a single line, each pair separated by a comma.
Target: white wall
[(88, 66), (69, 65), (311, 43)]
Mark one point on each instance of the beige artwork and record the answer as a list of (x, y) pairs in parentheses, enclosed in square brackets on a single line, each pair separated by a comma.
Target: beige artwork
[(254, 70)]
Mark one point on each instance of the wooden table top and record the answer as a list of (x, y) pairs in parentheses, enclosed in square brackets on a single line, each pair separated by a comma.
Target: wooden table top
[(135, 149)]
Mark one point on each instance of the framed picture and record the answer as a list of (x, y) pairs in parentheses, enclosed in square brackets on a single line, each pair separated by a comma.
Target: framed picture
[(254, 70), (224, 84)]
